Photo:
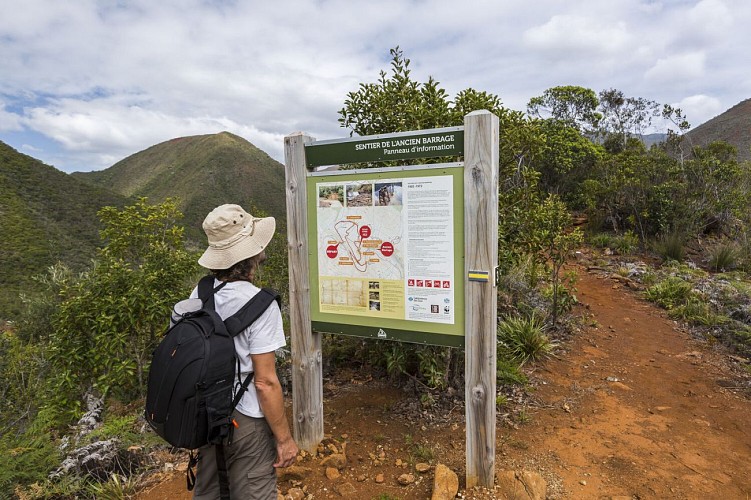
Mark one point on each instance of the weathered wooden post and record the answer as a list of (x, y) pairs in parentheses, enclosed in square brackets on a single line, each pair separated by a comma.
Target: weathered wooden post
[(307, 374), (481, 130)]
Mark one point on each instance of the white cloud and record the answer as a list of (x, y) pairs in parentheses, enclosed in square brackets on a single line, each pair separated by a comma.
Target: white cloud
[(700, 108), (9, 121), (571, 36), (678, 67), (106, 79)]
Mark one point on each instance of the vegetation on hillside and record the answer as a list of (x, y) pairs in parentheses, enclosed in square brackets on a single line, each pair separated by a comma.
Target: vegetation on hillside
[(201, 172), (46, 216)]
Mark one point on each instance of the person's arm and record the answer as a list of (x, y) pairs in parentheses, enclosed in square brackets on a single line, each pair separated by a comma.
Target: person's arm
[(271, 400)]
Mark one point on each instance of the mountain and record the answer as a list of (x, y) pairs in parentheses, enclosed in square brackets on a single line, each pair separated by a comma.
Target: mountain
[(733, 126), (45, 216), (203, 172)]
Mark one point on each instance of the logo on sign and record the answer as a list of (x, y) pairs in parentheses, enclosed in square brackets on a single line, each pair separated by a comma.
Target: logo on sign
[(381, 333)]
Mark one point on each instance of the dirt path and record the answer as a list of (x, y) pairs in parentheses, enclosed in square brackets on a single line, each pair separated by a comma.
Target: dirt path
[(636, 408), (633, 408)]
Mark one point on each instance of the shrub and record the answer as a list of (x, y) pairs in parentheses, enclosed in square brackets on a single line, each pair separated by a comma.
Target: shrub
[(696, 311), (601, 240), (626, 243), (669, 292), (523, 339), (509, 372)]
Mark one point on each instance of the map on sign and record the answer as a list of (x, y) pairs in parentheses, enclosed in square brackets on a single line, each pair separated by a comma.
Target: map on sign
[(385, 248)]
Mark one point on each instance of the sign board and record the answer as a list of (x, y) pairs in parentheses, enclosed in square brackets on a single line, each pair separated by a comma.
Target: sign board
[(386, 253), (399, 146)]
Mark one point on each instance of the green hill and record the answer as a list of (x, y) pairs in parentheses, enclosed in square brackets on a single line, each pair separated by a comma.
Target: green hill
[(46, 216), (202, 172), (733, 126)]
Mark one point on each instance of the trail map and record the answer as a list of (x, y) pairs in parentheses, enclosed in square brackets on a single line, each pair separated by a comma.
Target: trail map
[(385, 248)]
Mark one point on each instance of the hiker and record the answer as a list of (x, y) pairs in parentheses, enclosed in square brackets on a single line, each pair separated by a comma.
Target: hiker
[(262, 440)]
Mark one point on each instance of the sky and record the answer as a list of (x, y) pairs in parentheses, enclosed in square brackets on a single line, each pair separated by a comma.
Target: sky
[(86, 83)]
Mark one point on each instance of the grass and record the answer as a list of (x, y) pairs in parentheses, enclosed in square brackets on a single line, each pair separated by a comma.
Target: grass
[(509, 372), (670, 292), (523, 339), (622, 244), (696, 311), (724, 257), (670, 247)]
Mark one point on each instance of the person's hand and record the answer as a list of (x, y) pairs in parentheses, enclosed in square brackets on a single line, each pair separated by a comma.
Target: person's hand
[(286, 451)]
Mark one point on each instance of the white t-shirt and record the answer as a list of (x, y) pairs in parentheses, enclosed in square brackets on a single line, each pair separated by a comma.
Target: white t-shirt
[(265, 335)]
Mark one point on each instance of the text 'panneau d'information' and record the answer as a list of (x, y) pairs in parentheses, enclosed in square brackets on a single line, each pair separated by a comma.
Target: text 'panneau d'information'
[(400, 146)]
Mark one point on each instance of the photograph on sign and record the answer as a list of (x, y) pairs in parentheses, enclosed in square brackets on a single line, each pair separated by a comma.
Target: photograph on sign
[(385, 249)]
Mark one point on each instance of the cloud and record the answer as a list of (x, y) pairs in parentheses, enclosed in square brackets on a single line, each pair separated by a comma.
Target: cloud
[(105, 79), (105, 128), (700, 108), (676, 68), (9, 121), (573, 36)]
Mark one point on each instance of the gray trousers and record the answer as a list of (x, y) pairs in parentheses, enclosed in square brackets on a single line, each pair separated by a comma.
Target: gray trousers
[(250, 460)]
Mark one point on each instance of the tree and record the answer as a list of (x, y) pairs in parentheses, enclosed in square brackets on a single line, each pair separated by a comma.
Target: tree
[(396, 103), (624, 117), (111, 318), (570, 105)]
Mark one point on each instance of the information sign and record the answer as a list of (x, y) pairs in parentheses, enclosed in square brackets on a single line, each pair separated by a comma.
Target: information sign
[(386, 254), (399, 146)]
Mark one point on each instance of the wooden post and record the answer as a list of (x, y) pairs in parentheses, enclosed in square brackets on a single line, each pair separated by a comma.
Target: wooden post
[(307, 373), (481, 254)]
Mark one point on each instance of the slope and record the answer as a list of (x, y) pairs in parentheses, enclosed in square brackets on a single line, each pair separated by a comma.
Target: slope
[(201, 172), (733, 126), (46, 216)]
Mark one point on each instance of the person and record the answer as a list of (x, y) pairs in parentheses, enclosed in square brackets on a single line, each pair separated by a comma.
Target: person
[(262, 440)]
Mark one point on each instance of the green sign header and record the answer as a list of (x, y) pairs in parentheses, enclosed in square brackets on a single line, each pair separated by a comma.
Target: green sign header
[(400, 146)]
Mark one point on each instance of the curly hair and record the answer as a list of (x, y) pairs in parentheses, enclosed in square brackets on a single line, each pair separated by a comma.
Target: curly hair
[(245, 270)]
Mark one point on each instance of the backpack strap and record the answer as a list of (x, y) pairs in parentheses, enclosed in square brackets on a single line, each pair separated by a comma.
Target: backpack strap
[(251, 311), (206, 291)]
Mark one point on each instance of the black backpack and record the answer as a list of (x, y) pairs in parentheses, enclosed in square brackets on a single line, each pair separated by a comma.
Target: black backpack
[(189, 399)]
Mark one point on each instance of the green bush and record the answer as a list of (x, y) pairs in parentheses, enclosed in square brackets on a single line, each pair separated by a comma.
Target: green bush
[(696, 311), (670, 292), (523, 339), (509, 372)]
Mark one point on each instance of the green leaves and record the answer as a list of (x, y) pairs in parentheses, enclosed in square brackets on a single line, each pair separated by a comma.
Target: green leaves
[(110, 319)]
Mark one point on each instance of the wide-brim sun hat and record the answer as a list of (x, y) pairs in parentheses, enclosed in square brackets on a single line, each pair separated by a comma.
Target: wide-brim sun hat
[(234, 235)]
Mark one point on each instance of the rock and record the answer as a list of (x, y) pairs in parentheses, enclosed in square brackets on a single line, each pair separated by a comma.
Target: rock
[(292, 473), (379, 478), (295, 494), (521, 485), (422, 467), (621, 386), (398, 462), (406, 479), (337, 460), (347, 490), (362, 478), (445, 483), (332, 473)]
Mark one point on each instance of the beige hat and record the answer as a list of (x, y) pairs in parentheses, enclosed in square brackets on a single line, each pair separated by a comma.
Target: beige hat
[(234, 235)]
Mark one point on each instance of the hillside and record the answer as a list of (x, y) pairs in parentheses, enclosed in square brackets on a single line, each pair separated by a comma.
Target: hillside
[(45, 216), (202, 172), (733, 126)]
